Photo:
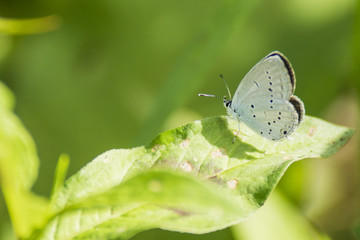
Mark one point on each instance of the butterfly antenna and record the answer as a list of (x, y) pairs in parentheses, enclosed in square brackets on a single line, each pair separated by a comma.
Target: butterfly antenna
[(222, 77)]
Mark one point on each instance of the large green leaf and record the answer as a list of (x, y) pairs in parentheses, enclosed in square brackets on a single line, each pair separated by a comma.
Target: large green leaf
[(18, 169), (190, 179)]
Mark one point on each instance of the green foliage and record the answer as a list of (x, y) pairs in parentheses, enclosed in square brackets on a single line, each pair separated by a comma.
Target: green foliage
[(28, 26), (189, 179), (18, 169)]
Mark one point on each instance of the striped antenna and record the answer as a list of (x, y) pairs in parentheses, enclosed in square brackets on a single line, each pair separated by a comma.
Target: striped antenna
[(222, 77)]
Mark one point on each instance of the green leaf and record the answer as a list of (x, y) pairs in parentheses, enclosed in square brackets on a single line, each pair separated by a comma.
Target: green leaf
[(29, 26), (18, 169), (60, 172), (7, 99), (189, 179)]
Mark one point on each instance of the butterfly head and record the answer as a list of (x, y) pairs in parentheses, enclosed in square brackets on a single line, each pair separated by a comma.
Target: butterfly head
[(227, 103)]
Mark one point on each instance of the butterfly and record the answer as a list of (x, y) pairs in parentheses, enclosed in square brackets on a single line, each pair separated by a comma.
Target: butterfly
[(264, 99)]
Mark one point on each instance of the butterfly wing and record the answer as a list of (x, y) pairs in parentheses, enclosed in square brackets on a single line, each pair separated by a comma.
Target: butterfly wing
[(264, 100)]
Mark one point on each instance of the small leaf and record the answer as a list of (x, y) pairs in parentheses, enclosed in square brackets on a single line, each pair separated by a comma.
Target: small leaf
[(29, 26), (189, 179), (7, 98), (18, 170), (60, 172)]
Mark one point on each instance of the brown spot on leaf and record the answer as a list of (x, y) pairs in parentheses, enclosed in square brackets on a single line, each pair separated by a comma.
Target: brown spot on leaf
[(232, 184), (186, 166), (312, 131), (219, 152), (155, 148), (185, 143), (180, 212)]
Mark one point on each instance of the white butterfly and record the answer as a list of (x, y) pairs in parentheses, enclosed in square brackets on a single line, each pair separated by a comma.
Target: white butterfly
[(264, 100)]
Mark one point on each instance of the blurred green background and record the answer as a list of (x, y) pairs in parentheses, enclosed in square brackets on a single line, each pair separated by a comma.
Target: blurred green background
[(90, 76)]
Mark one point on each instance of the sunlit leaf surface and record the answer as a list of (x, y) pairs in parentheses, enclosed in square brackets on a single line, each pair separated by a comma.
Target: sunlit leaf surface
[(189, 179)]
